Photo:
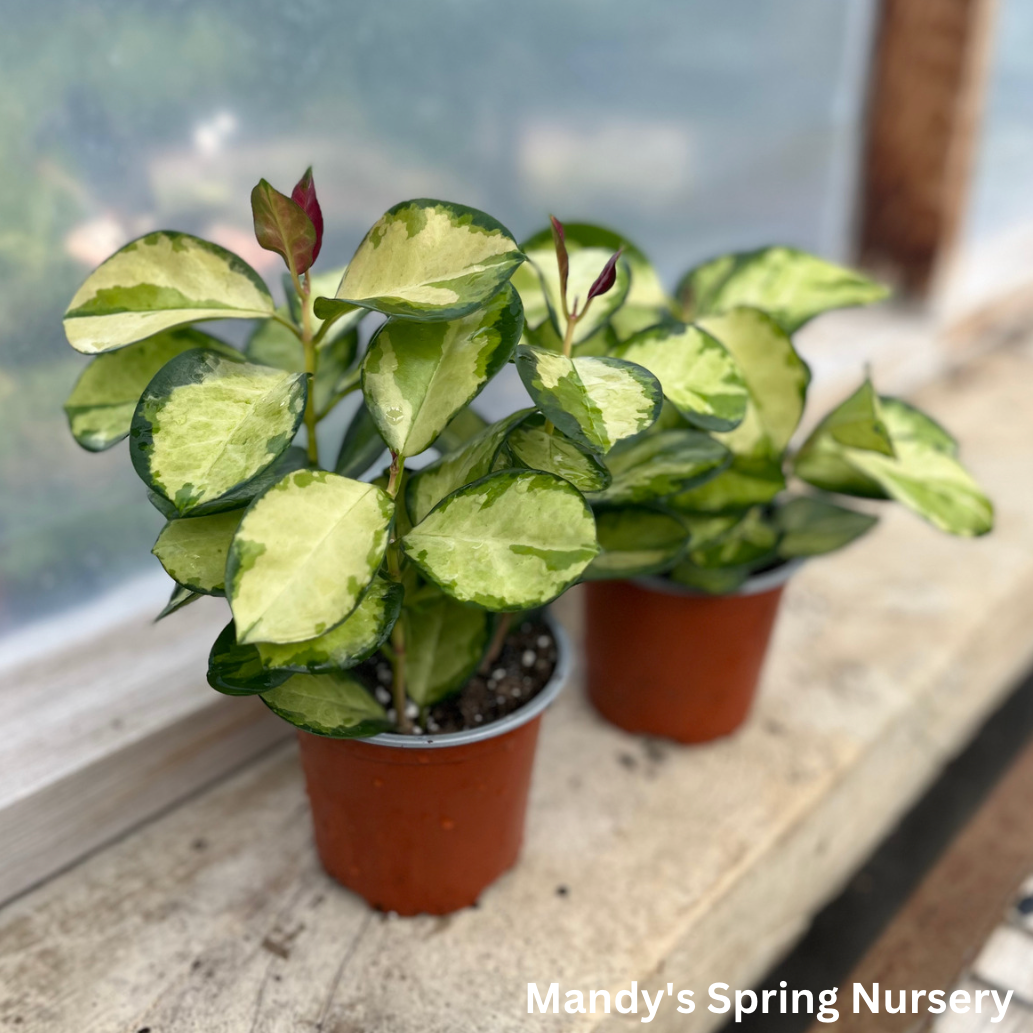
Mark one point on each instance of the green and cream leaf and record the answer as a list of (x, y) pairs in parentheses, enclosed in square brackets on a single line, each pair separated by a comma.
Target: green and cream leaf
[(511, 541), (207, 424), (531, 445), (159, 281), (193, 550), (635, 541), (812, 526), (444, 643), (336, 705), (304, 554), (417, 376)]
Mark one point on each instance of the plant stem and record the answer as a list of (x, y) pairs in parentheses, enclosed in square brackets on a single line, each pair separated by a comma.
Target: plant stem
[(498, 640), (568, 337), (395, 476), (398, 681), (311, 416)]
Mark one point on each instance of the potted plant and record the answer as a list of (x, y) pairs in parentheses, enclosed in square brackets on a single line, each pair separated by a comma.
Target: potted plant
[(699, 526), (375, 616)]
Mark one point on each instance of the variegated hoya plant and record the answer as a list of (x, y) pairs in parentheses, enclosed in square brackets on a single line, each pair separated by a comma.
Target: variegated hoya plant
[(323, 570), (702, 495)]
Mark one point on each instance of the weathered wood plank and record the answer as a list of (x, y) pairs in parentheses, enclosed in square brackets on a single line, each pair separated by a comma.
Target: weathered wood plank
[(683, 865)]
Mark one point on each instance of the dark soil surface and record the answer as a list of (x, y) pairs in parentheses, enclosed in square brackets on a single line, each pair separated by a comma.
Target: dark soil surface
[(519, 673)]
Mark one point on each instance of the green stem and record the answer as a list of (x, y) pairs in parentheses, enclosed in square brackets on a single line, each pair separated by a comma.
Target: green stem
[(311, 361), (498, 640), (398, 681), (327, 323)]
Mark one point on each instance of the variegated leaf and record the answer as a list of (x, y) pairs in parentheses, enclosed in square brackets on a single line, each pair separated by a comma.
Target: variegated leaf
[(207, 424), (428, 259), (263, 665), (444, 643), (336, 705), (304, 554), (811, 527), (193, 550), (416, 376), (636, 540), (101, 405), (273, 344), (791, 286), (696, 372), (747, 542), (466, 424), (712, 580), (179, 598), (159, 281), (474, 460), (924, 474), (775, 375), (585, 266), (595, 401), (532, 445), (362, 445), (511, 541), (747, 481), (658, 465)]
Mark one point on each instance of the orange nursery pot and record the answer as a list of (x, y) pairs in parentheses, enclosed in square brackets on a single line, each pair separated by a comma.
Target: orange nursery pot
[(673, 662), (424, 823)]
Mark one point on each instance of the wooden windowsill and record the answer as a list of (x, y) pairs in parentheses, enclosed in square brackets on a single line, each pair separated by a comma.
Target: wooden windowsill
[(680, 865)]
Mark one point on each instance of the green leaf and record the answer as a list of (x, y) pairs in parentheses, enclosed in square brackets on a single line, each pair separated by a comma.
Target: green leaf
[(813, 526), (747, 481), (594, 401), (273, 344), (428, 259), (336, 705), (696, 372), (776, 377), (193, 550), (466, 424), (474, 460), (444, 643), (100, 407), (511, 541), (636, 540), (362, 445), (416, 376), (658, 465), (304, 554), (283, 226), (263, 665), (747, 543), (585, 266), (791, 286), (531, 445), (180, 597), (159, 281), (712, 580), (207, 424), (924, 474), (857, 422)]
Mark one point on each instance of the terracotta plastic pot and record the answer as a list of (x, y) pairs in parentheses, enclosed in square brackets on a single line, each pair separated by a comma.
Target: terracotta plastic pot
[(673, 662), (423, 823)]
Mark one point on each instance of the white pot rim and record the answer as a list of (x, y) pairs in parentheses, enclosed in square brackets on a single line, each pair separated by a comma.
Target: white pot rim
[(754, 585), (528, 712)]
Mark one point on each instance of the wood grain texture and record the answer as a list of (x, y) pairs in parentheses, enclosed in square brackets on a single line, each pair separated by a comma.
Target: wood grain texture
[(683, 865), (926, 96)]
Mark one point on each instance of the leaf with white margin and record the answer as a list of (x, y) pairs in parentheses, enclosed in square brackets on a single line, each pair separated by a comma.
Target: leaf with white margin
[(924, 474), (697, 373), (790, 285), (776, 377), (594, 401), (416, 376), (474, 460), (531, 445), (159, 281), (812, 527), (263, 665), (585, 265), (101, 405), (304, 554), (193, 550), (636, 540), (272, 344), (336, 705), (511, 541), (206, 424), (444, 643), (426, 259), (658, 465)]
